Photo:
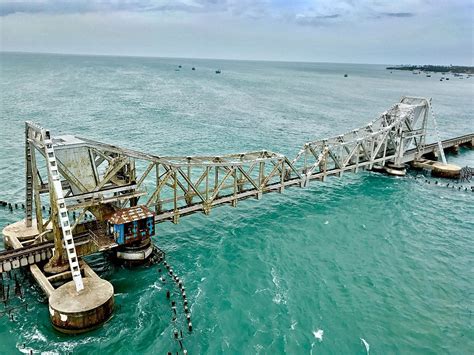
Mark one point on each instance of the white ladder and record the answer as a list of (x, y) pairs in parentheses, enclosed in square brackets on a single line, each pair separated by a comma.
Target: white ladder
[(62, 212), (440, 145)]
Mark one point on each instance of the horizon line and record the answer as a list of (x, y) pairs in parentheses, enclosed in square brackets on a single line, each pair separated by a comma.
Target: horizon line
[(209, 58)]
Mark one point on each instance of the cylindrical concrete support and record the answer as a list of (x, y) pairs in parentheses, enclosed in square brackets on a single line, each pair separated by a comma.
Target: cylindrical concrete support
[(72, 312), (135, 254), (450, 171), (396, 170)]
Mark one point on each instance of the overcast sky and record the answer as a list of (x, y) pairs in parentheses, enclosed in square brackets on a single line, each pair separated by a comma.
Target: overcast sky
[(351, 31)]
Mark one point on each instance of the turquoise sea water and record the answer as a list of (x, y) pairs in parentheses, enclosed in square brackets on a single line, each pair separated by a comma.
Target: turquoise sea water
[(361, 262)]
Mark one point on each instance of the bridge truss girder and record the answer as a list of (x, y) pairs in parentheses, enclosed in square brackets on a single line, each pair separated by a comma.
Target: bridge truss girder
[(385, 139)]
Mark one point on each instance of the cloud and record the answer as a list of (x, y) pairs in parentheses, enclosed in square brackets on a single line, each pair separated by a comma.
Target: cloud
[(314, 11), (85, 6), (398, 14), (315, 20)]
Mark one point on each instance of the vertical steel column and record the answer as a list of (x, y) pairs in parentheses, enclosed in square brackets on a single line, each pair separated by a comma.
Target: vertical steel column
[(261, 173), (234, 201), (282, 176), (36, 188), (175, 199), (157, 203), (29, 181)]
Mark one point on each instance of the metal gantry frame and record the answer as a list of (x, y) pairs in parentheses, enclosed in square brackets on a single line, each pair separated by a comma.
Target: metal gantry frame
[(89, 176)]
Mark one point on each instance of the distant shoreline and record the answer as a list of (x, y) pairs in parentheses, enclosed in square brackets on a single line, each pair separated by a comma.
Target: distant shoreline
[(435, 68)]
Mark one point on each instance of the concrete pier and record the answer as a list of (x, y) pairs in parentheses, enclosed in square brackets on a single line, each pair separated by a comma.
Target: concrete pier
[(75, 312), (395, 170), (70, 311), (438, 169), (135, 254)]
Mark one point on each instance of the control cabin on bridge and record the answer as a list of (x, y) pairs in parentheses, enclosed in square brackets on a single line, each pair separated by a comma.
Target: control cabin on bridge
[(131, 225)]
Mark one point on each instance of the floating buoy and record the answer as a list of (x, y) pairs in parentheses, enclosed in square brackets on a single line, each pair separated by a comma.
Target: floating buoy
[(188, 317), (168, 294), (190, 326), (186, 310), (173, 303), (185, 302), (175, 334)]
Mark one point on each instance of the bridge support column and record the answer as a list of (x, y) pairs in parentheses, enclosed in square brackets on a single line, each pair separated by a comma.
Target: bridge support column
[(135, 254), (73, 312), (395, 169), (471, 143)]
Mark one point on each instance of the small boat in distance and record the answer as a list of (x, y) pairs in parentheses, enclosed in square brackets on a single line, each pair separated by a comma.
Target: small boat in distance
[(218, 71), (193, 68), (179, 66), (428, 76), (345, 75)]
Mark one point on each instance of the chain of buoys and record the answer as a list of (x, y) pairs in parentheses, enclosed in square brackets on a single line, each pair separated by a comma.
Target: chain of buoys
[(177, 334), (454, 185)]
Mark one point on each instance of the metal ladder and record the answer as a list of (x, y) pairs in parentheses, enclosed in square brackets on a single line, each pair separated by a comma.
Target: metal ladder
[(440, 145), (62, 212)]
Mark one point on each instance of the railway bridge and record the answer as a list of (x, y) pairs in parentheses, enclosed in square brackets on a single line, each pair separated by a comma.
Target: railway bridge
[(105, 197)]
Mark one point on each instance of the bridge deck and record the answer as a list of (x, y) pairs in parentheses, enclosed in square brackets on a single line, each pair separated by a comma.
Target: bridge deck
[(276, 187), (433, 147), (32, 254)]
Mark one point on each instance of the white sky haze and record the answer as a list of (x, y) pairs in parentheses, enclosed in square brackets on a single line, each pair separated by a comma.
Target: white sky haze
[(365, 31)]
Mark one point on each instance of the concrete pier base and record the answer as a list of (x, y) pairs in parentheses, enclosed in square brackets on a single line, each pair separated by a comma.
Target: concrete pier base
[(438, 169), (450, 171), (134, 255), (72, 312), (18, 232), (395, 170)]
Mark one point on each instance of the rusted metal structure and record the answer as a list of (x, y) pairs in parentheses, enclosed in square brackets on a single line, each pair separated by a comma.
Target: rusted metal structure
[(105, 197)]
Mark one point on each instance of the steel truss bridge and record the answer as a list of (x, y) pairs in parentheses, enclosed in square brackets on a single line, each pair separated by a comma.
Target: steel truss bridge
[(84, 176)]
